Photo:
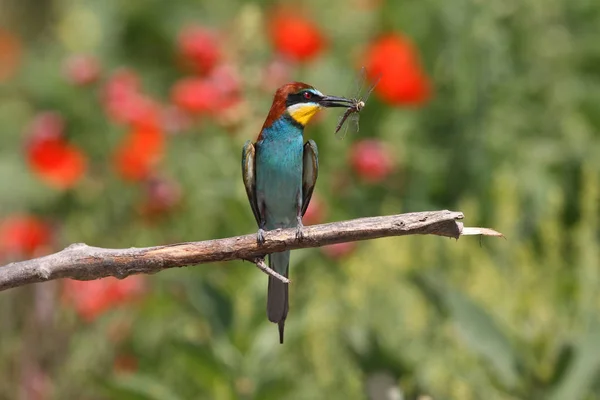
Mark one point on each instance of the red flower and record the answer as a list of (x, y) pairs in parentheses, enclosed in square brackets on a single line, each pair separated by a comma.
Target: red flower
[(338, 250), (139, 153), (126, 104), (46, 125), (92, 298), (195, 95), (82, 69), (23, 236), (315, 213), (371, 160), (198, 49), (225, 77), (208, 96), (294, 36), (403, 82), (122, 83), (10, 54), (56, 162)]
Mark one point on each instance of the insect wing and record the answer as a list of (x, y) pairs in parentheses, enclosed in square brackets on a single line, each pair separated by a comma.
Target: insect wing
[(370, 90), (342, 127), (360, 82), (348, 122), (353, 123)]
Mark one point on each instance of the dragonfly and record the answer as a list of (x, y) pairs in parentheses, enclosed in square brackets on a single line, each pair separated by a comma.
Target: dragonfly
[(358, 102)]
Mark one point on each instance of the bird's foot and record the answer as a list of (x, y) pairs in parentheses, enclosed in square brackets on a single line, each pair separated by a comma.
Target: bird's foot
[(260, 236), (299, 227)]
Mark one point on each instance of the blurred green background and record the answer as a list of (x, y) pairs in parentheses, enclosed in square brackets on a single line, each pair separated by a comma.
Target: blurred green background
[(122, 125)]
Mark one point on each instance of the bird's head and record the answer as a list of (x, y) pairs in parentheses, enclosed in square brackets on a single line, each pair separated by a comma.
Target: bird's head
[(301, 102)]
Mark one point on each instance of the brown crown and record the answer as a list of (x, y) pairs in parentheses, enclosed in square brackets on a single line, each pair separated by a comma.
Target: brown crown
[(279, 102)]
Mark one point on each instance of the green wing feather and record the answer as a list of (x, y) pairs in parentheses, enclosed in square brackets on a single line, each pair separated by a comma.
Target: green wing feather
[(310, 171), (249, 177)]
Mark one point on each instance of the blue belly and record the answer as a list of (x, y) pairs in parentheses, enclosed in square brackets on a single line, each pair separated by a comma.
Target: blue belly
[(279, 178)]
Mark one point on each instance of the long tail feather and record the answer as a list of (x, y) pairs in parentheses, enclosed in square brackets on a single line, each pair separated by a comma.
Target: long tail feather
[(277, 295)]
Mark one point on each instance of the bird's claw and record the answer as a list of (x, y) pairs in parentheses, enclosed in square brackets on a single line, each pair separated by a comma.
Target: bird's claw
[(299, 232), (260, 236)]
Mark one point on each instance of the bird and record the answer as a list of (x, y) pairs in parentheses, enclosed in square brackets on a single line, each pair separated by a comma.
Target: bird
[(279, 172)]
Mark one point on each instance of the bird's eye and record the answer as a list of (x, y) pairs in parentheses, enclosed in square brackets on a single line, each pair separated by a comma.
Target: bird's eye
[(307, 95)]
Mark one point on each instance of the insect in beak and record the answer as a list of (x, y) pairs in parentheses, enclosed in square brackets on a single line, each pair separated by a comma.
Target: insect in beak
[(357, 103)]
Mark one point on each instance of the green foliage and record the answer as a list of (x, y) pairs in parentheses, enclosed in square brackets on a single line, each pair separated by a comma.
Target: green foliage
[(511, 138)]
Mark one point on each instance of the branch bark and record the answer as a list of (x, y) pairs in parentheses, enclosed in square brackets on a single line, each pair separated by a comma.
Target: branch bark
[(82, 262)]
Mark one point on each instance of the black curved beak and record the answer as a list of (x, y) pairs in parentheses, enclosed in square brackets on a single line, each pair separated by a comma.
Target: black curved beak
[(333, 101)]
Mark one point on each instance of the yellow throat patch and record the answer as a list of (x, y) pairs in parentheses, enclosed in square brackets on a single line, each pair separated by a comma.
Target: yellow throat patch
[(302, 113)]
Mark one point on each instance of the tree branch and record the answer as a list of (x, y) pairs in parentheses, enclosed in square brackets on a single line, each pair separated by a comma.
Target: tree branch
[(82, 262)]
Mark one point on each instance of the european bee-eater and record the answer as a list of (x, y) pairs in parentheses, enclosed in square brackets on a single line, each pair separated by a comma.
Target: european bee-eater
[(280, 172)]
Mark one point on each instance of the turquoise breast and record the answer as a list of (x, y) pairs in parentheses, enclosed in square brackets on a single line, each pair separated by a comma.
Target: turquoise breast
[(279, 173)]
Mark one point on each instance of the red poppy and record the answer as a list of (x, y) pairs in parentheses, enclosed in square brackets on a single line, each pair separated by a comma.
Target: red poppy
[(23, 236), (46, 125), (195, 95), (211, 95), (371, 160), (56, 162), (198, 49), (122, 83), (126, 104), (226, 78), (10, 54), (139, 153), (82, 69), (403, 82), (295, 36), (92, 298), (229, 110), (50, 157)]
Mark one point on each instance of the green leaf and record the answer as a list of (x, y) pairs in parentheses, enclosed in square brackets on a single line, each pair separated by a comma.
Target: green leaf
[(211, 302), (582, 372), (274, 389), (482, 335), (142, 387), (204, 367), (202, 361)]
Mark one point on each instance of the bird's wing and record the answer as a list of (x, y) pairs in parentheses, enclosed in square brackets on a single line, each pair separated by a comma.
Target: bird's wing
[(249, 177), (310, 171)]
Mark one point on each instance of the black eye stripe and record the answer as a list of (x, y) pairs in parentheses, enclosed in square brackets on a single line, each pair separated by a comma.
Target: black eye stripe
[(304, 96)]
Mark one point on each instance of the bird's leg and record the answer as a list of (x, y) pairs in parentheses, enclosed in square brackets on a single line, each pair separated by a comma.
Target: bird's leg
[(299, 233), (300, 225), (260, 236)]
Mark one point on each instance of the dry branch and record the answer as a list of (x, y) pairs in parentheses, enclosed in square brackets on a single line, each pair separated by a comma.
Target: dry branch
[(82, 262)]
